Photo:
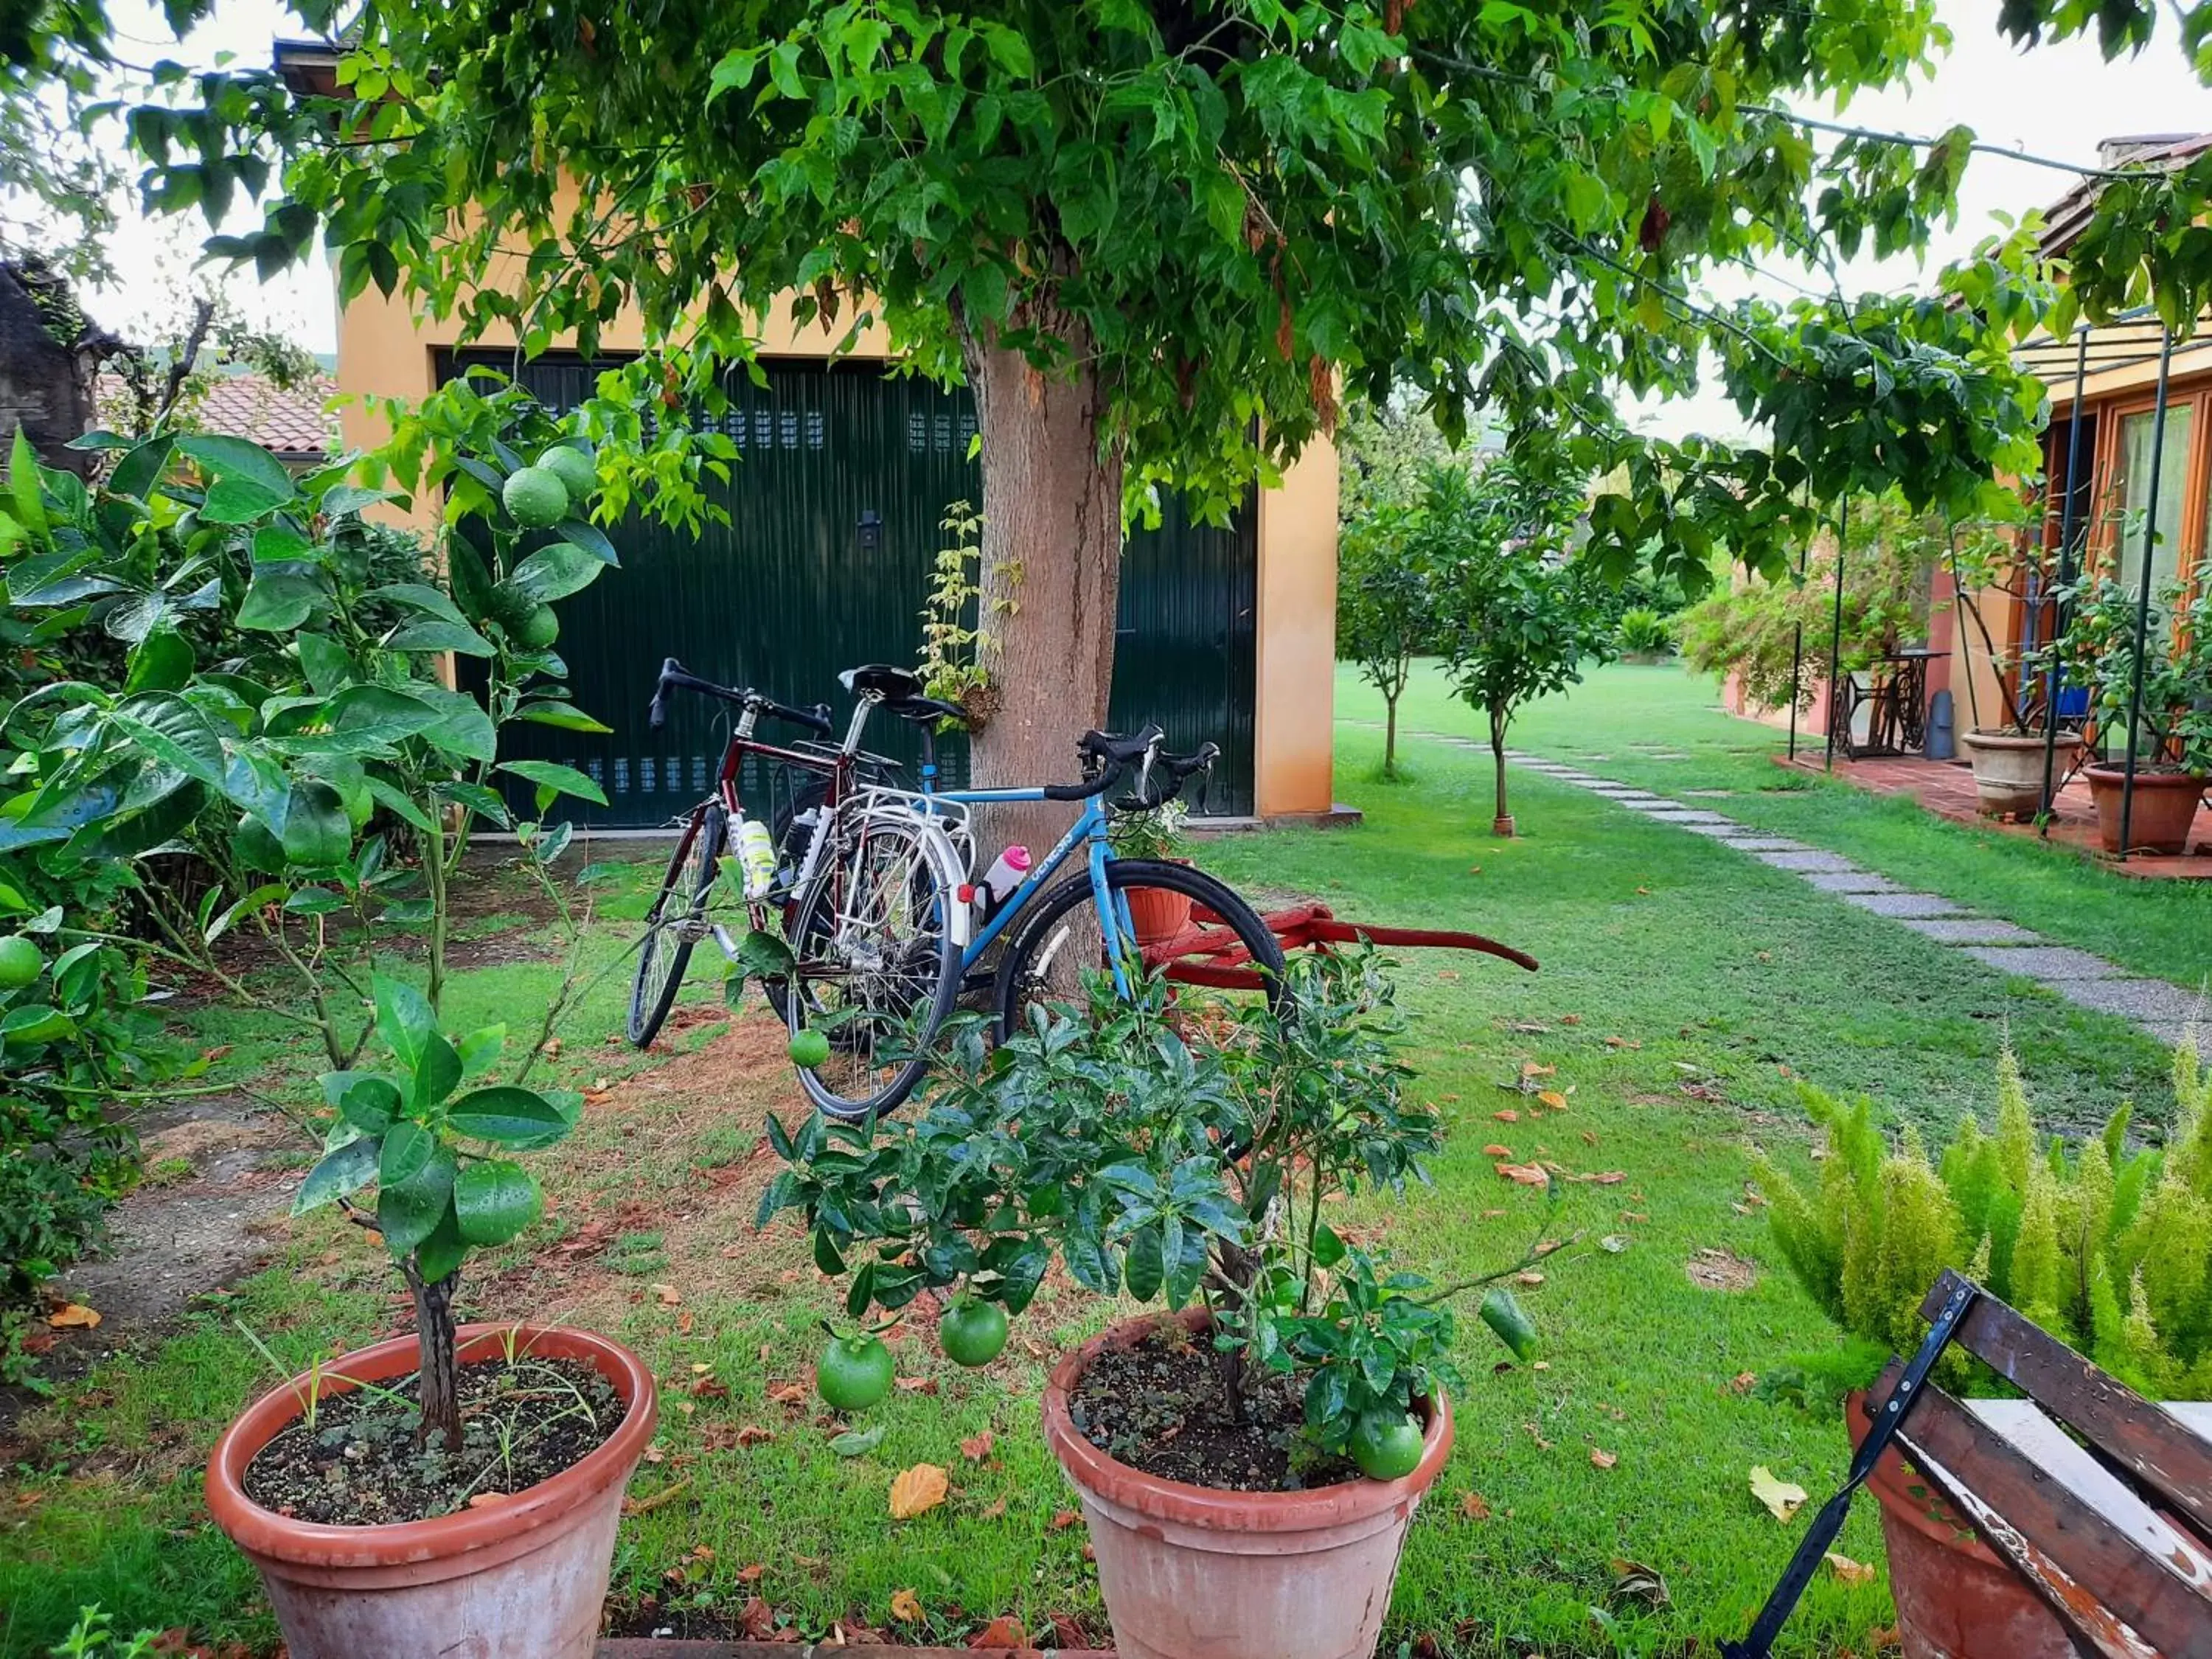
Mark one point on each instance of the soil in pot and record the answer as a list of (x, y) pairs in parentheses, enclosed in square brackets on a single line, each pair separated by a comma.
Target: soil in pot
[(1159, 1406), (357, 1463)]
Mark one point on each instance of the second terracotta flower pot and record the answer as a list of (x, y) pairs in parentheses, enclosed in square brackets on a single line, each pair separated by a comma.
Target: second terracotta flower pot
[(1955, 1600), (1157, 914), (521, 1579), (1188, 1572), (2008, 768), (2165, 807)]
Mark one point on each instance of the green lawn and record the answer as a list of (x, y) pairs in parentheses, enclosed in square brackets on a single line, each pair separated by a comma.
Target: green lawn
[(1623, 717), (1685, 989)]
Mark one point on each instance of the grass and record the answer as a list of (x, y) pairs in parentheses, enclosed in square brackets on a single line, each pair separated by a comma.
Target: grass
[(1684, 992), (1624, 721)]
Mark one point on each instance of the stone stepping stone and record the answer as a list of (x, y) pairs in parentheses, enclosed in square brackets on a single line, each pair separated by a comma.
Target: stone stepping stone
[(1712, 794), (1812, 859), (1724, 831), (1755, 843), (2047, 962), (1972, 930), (1691, 818), (2147, 1001), (1849, 881), (1902, 905)]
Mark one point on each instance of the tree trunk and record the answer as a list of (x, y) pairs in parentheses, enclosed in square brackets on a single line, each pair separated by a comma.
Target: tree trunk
[(1502, 823), (1390, 736), (1051, 575), (434, 1353)]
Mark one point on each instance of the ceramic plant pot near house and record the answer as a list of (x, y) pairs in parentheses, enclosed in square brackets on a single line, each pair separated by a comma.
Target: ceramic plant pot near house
[(2165, 807), (522, 1579), (1188, 1572), (2008, 768), (1955, 1600)]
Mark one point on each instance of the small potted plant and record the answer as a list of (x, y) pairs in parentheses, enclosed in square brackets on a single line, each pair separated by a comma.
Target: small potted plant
[(2100, 1245), (457, 1482), (1248, 1462), (1157, 832), (2173, 728)]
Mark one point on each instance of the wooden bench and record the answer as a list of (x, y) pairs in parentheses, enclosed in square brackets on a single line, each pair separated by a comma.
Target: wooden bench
[(2101, 1500)]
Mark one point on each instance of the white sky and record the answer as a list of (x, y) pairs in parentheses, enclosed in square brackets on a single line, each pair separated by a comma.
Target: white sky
[(2055, 101)]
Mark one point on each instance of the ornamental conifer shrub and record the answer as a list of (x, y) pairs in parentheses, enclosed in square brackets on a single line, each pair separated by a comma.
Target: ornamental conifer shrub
[(2107, 1247)]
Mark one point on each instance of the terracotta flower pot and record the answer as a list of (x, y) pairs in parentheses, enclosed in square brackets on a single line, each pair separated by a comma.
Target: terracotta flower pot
[(522, 1579), (1192, 1573), (2165, 807), (2008, 768), (1156, 913), (1955, 1600)]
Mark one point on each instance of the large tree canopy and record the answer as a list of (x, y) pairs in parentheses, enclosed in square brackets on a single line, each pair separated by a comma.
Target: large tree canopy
[(1154, 234)]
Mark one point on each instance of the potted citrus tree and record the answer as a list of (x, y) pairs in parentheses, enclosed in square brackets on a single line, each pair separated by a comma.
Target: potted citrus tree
[(1250, 1460), (2172, 727), (2100, 1244)]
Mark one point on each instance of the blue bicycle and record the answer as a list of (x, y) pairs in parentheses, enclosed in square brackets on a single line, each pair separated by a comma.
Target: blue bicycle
[(887, 928)]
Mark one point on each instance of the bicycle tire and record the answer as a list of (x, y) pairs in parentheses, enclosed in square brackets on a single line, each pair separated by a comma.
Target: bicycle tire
[(1016, 989), (931, 979), (691, 877)]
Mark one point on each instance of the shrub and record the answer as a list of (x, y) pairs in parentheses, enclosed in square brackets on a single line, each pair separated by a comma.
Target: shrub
[(2097, 651), (1096, 1135), (1643, 633), (2109, 1249)]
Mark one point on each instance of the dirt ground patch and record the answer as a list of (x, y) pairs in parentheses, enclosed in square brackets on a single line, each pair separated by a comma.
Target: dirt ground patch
[(1720, 1270)]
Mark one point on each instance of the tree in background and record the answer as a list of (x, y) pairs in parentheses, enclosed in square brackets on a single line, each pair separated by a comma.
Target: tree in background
[(1386, 608), (1518, 612), (1146, 234)]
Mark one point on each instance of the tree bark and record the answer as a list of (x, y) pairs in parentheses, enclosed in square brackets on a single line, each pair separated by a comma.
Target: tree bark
[(440, 1390), (1050, 579), (1502, 823), (1390, 736)]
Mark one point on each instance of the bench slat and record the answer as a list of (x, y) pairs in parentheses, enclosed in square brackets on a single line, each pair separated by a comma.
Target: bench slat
[(2150, 1442), (2096, 1575)]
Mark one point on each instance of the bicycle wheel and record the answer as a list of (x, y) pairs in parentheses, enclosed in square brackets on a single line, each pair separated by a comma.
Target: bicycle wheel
[(675, 922), (791, 826), (876, 963), (1064, 916)]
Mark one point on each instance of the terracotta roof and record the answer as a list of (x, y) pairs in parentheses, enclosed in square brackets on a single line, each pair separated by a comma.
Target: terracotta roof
[(2066, 218), (294, 423)]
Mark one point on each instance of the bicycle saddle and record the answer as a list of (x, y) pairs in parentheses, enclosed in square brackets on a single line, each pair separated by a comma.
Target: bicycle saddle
[(881, 680)]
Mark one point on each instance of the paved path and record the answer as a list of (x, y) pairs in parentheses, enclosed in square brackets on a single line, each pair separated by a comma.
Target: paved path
[(2157, 1005)]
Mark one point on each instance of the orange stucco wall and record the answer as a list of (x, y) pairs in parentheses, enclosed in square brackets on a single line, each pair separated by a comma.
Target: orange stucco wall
[(386, 350)]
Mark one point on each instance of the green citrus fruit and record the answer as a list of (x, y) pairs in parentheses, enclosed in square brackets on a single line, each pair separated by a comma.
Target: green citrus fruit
[(972, 1333), (256, 848), (1385, 1447), (577, 473), (316, 831), (808, 1049), (537, 628), (21, 963), (853, 1373), (535, 498)]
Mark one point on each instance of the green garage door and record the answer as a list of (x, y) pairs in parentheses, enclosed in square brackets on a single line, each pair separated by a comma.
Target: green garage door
[(844, 472)]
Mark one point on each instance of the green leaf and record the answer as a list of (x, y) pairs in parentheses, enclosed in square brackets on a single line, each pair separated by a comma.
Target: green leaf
[(1327, 1247), (1143, 1270), (486, 803), (566, 717), (859, 1442), (241, 501), (396, 801), (409, 1210), (480, 1049), (23, 484), (161, 662), (35, 1023), (175, 732), (510, 1116), (589, 536), (136, 473), (222, 458), (408, 1149), (495, 1200), (556, 572), (437, 1073), (280, 601), (825, 1252), (370, 1104), (1502, 1315), (378, 716), (551, 776), (404, 1018), (464, 731), (341, 1172), (433, 634), (421, 598), (440, 1256)]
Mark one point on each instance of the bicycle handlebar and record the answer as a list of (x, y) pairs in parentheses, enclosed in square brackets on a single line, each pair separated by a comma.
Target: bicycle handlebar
[(1160, 775), (675, 676)]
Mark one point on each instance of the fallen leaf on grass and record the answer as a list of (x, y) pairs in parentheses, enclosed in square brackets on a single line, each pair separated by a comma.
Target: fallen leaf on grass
[(1607, 1178), (1570, 1019), (1003, 1632), (1530, 1068), (1590, 1137), (859, 1442), (751, 1574), (788, 1394), (753, 1435), (1507, 1116), (1474, 1506), (1494, 1150), (917, 1490), (1784, 1499), (917, 1385), (996, 1509), (1529, 1278), (758, 1621), (1603, 1460), (976, 1448), (710, 1388), (75, 1316), (1850, 1572), (669, 1295), (1063, 1519), (1553, 1098), (1634, 1581), (1743, 1382), (1885, 1636), (1528, 1174)]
